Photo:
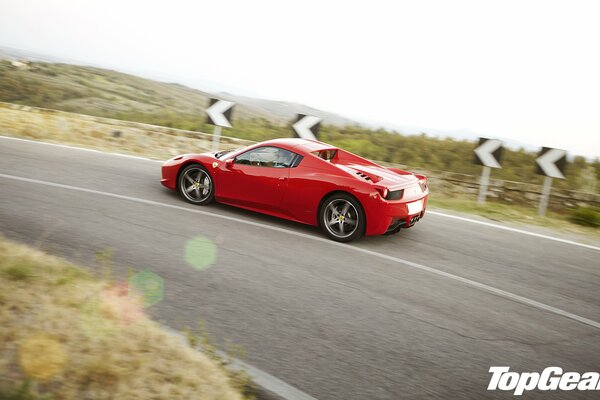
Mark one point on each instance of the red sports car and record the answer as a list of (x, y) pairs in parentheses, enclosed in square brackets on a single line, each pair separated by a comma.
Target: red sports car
[(305, 181)]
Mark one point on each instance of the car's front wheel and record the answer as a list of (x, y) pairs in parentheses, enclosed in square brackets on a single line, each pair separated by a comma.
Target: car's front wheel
[(342, 218), (196, 185)]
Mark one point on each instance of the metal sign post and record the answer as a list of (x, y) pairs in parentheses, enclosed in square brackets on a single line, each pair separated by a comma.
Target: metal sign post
[(483, 184), (545, 195), (216, 138)]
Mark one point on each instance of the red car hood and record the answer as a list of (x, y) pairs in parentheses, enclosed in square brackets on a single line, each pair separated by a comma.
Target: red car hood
[(379, 175)]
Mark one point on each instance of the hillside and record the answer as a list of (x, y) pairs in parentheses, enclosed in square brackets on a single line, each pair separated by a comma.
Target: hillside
[(112, 94), (283, 111), (104, 92)]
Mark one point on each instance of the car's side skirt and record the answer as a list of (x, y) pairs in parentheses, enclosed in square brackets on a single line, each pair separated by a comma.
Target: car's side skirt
[(278, 214)]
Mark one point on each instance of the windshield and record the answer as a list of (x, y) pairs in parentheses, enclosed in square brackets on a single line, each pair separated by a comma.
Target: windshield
[(223, 153)]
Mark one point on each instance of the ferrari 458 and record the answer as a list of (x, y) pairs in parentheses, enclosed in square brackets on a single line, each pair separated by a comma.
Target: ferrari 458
[(305, 181)]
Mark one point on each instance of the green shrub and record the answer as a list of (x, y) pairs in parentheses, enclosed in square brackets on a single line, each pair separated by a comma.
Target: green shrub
[(21, 392), (587, 216), (18, 272)]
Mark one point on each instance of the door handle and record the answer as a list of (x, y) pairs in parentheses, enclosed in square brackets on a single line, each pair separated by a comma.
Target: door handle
[(282, 178)]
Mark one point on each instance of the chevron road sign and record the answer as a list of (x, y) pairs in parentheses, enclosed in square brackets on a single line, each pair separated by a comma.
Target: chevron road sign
[(307, 127), (551, 163), (487, 153), (219, 114)]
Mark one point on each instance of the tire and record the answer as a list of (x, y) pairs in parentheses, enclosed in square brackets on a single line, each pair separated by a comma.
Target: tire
[(335, 216), (195, 185)]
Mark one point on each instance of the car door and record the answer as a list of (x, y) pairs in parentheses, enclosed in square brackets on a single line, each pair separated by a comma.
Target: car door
[(256, 178)]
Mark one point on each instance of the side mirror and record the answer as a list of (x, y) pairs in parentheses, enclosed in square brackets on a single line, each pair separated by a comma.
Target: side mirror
[(229, 163)]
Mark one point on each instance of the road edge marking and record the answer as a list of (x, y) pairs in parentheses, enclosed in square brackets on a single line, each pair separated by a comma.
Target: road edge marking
[(260, 377), (481, 286), (66, 146), (511, 229)]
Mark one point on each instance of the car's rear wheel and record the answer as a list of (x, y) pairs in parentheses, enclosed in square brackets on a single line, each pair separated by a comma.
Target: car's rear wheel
[(342, 218), (196, 185)]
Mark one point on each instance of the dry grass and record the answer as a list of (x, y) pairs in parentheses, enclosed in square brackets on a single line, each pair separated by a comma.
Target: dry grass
[(71, 336), (105, 134)]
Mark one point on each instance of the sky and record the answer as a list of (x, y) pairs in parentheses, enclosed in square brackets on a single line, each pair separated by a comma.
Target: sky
[(525, 71)]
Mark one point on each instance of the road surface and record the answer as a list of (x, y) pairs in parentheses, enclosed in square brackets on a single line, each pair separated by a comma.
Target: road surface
[(421, 314)]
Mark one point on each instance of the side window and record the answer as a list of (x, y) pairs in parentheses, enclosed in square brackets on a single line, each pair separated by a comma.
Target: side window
[(267, 156), (297, 160)]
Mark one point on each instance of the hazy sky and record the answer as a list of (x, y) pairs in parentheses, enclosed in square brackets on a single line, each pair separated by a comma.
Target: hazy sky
[(523, 70)]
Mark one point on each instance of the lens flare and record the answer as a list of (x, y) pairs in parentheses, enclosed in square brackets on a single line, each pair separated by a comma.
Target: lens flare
[(149, 285), (200, 252)]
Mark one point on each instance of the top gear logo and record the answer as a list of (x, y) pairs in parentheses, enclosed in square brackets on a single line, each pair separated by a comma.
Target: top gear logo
[(551, 378)]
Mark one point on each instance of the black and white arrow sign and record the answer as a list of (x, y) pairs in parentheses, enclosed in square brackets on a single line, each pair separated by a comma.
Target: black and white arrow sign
[(552, 162), (219, 112), (307, 127), (488, 153)]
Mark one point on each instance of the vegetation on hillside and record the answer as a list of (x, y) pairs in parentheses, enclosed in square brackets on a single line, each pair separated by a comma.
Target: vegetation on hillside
[(112, 94)]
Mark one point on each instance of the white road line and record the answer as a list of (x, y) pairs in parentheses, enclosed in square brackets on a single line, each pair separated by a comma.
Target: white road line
[(346, 247), (271, 383), (507, 228), (429, 211), (260, 377), (64, 146)]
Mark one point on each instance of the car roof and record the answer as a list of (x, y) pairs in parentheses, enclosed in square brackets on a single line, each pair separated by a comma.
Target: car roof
[(298, 145)]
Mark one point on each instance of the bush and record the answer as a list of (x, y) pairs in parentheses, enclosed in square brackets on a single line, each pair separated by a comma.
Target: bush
[(587, 216), (20, 392)]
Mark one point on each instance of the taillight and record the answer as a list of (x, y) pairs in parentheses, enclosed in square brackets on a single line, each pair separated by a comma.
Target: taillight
[(423, 184), (391, 195), (395, 194), (383, 192)]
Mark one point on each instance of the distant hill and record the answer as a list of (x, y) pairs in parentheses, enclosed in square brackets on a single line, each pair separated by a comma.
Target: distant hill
[(282, 110), (9, 53), (101, 92)]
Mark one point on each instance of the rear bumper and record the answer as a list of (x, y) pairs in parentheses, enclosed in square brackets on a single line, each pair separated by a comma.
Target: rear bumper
[(398, 224), (389, 217)]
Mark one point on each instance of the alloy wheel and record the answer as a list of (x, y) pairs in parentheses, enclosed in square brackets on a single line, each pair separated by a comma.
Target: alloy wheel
[(340, 218), (196, 185)]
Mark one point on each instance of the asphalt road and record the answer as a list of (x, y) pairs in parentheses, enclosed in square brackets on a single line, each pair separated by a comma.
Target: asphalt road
[(360, 321)]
